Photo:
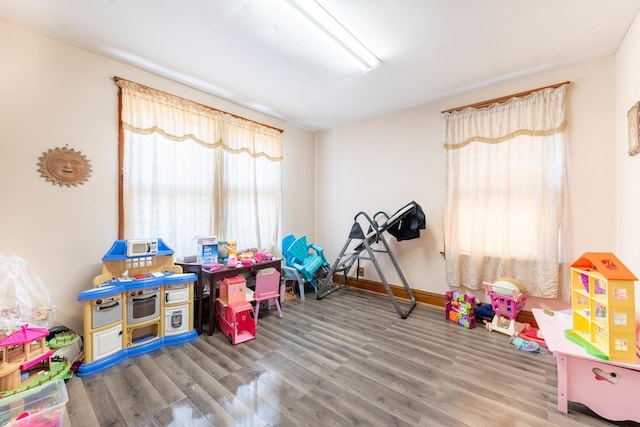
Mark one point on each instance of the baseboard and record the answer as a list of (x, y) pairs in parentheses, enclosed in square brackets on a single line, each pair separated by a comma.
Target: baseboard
[(425, 297)]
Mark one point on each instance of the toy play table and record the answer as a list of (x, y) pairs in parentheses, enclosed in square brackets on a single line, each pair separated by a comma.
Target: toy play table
[(608, 388)]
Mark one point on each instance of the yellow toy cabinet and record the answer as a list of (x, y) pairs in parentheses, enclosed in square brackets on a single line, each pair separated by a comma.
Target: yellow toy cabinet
[(603, 306)]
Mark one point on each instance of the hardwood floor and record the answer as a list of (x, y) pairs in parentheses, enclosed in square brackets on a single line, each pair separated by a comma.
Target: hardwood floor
[(345, 360)]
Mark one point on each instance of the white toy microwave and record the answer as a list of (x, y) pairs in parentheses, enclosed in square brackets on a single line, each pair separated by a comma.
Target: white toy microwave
[(142, 247)]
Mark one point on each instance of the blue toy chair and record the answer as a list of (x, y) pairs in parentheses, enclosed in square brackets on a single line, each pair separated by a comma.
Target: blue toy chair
[(307, 259), (286, 243)]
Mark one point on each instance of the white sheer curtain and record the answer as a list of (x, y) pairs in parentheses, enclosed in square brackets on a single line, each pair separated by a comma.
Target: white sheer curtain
[(190, 170), (505, 189)]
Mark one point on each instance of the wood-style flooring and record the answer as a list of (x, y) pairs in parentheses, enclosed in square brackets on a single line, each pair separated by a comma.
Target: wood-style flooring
[(348, 359)]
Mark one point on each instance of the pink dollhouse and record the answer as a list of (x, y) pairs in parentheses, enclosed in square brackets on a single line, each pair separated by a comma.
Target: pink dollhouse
[(21, 353)]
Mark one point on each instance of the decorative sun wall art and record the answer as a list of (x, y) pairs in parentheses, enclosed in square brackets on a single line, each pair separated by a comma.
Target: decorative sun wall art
[(64, 166)]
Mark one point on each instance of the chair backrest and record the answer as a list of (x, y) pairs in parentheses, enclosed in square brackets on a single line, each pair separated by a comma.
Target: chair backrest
[(267, 283), (299, 250), (286, 243)]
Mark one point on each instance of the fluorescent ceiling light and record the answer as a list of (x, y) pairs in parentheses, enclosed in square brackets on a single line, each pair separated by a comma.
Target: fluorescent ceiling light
[(312, 12)]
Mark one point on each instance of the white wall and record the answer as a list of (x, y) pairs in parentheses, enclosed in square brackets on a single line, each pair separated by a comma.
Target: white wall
[(54, 94), (385, 162), (628, 168)]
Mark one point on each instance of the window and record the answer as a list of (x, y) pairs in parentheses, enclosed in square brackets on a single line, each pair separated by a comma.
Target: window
[(189, 170), (505, 181)]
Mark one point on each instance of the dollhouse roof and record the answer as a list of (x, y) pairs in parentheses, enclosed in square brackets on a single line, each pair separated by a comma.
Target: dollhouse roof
[(604, 263), (24, 335)]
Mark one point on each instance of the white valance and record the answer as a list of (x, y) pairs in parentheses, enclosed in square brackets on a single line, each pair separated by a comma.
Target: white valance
[(146, 111), (540, 113)]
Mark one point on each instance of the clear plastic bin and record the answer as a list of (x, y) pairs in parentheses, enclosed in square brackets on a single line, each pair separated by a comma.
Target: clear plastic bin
[(43, 406)]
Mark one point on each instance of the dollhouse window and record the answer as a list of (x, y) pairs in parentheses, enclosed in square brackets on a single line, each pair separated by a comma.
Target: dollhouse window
[(13, 349), (621, 344), (600, 287), (620, 294), (602, 333), (620, 319)]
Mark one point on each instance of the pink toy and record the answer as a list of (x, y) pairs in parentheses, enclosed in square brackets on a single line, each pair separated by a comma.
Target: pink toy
[(506, 300), (236, 321), (267, 289), (20, 352), (232, 260)]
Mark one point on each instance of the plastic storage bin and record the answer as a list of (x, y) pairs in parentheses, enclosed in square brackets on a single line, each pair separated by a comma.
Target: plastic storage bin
[(43, 406)]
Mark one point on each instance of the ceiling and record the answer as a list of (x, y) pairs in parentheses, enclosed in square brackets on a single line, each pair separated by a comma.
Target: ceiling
[(254, 53)]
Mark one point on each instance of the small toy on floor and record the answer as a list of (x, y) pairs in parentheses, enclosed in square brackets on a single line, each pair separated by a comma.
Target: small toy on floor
[(460, 308), (484, 313), (505, 325), (532, 334), (525, 345)]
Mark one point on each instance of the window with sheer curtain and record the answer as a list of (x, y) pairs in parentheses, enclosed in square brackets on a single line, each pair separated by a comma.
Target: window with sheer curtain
[(505, 190), (189, 170)]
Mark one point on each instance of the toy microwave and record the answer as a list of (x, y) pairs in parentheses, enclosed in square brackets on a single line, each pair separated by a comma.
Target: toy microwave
[(142, 247)]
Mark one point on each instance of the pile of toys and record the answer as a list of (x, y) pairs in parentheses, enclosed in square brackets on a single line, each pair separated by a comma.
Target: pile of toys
[(507, 300)]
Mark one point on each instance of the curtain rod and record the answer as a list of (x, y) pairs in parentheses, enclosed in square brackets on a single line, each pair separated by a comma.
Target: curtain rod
[(502, 99), (116, 78)]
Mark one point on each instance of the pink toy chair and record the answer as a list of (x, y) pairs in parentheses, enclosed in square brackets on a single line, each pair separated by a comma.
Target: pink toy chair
[(267, 289)]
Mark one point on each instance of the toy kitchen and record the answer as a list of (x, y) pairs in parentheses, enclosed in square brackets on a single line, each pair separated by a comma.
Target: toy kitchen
[(141, 302)]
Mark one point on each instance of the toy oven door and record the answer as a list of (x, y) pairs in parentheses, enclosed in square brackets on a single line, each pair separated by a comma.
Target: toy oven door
[(176, 319), (105, 312), (176, 294), (143, 307)]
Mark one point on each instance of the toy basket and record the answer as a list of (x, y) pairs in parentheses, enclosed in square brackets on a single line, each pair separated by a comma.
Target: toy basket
[(505, 301)]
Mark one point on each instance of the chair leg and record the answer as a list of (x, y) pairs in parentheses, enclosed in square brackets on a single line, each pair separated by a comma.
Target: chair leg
[(278, 306), (301, 286), (257, 309)]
